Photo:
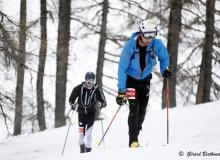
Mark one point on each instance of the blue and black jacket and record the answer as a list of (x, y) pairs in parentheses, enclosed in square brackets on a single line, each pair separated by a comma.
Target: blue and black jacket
[(129, 63)]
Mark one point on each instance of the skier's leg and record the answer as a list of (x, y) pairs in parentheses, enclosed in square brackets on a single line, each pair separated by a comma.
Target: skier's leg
[(133, 122), (132, 84), (133, 116), (88, 132), (143, 99), (81, 123)]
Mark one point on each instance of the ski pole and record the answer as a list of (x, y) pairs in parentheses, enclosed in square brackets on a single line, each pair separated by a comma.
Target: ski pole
[(102, 128), (167, 106), (109, 125), (103, 133), (66, 135)]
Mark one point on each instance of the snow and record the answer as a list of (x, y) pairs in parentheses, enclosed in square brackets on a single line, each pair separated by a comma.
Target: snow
[(192, 128), (194, 131)]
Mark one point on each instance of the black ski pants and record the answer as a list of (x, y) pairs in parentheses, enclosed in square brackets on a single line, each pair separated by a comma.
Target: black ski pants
[(137, 106)]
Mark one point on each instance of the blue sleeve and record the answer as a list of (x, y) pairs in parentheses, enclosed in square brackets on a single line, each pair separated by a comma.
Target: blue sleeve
[(123, 66), (163, 56)]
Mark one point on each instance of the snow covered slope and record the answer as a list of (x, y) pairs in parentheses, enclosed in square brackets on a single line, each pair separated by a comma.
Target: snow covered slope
[(194, 134)]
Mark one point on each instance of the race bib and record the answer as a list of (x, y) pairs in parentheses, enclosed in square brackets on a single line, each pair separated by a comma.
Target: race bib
[(130, 93), (81, 130)]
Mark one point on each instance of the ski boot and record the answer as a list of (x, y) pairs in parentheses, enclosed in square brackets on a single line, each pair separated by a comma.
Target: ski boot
[(82, 148), (133, 138), (134, 144), (88, 149)]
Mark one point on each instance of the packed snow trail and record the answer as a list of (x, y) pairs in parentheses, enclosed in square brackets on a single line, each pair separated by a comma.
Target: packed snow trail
[(194, 134)]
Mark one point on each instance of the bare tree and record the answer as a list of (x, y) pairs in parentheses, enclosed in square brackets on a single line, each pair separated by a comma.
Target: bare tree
[(174, 29), (20, 69), (62, 60), (102, 42), (101, 51), (8, 49), (205, 79), (41, 66), (6, 104)]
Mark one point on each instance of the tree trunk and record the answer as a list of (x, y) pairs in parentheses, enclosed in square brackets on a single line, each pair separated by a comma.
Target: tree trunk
[(101, 52), (20, 69), (205, 79), (174, 29), (41, 67), (62, 61), (102, 42)]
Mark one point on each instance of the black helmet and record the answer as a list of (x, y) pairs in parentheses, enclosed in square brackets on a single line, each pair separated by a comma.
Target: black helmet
[(90, 75)]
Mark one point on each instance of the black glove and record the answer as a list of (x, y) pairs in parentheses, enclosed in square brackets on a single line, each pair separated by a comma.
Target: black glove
[(167, 72), (103, 105), (121, 98), (73, 106)]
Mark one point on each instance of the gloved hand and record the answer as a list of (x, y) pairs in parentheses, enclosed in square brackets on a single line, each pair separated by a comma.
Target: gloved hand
[(73, 106), (103, 105), (167, 72), (121, 98)]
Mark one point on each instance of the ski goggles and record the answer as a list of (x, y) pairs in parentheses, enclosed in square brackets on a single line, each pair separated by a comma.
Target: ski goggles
[(89, 83), (147, 35)]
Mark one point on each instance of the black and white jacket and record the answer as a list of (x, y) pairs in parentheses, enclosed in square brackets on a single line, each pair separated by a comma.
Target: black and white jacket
[(87, 98)]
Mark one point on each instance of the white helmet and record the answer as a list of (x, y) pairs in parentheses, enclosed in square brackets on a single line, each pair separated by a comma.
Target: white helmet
[(148, 29)]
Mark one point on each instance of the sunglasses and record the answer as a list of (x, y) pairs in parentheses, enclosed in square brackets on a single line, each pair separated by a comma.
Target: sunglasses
[(148, 35), (89, 83)]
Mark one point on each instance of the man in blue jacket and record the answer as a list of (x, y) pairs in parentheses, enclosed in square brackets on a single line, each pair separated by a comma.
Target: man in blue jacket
[(134, 74)]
